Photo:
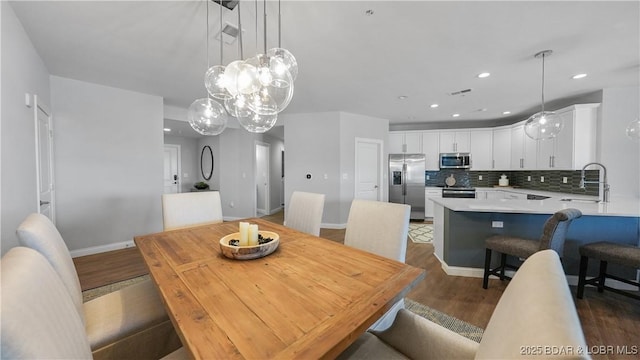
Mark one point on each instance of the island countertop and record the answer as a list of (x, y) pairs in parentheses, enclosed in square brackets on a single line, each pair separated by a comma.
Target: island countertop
[(587, 205)]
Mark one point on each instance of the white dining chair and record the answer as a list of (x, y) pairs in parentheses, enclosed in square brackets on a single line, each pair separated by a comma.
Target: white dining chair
[(380, 228), (39, 318), (304, 212), (185, 210), (112, 321)]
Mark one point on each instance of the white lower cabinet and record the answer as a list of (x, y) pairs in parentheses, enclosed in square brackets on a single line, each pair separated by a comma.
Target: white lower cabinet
[(430, 193)]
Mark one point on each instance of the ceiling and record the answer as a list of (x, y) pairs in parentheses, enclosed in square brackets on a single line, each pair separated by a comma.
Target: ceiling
[(356, 56)]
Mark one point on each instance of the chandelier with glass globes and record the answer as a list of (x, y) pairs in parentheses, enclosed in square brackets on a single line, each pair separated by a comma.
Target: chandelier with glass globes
[(253, 91)]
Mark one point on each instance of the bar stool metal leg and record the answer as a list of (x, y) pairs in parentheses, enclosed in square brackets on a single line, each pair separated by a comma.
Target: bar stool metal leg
[(487, 265), (601, 276), (503, 265)]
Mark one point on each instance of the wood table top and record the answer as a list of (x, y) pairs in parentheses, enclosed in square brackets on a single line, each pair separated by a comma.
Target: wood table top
[(310, 299)]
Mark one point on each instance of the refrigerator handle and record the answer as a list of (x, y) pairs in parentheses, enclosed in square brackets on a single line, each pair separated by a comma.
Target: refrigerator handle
[(404, 179)]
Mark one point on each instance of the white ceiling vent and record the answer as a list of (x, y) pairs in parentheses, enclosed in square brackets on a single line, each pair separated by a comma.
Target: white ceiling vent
[(460, 92), (229, 33)]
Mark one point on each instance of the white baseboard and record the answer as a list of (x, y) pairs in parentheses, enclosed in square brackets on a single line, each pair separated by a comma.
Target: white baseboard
[(102, 248), (479, 273), (276, 210), (333, 226)]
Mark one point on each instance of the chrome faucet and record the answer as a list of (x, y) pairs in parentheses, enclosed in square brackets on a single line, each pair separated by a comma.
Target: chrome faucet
[(605, 186)]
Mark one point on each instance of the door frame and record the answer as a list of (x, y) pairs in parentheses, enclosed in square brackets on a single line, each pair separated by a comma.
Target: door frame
[(38, 106), (380, 145), (179, 163), (267, 194)]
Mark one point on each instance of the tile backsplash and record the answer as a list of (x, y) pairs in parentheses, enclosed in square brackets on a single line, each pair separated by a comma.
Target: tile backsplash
[(553, 179)]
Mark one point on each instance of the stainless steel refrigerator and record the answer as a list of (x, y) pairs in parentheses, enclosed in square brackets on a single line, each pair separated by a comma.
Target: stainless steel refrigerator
[(406, 182)]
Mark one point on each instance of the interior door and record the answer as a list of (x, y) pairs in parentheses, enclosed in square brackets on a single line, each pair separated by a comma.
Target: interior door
[(171, 169), (44, 159), (368, 176)]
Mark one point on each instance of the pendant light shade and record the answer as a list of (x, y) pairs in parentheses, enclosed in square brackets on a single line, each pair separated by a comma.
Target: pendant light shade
[(545, 124), (633, 129), (257, 123), (207, 117), (216, 82), (287, 59)]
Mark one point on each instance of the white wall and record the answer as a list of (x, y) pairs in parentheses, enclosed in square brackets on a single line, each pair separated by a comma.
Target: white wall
[(109, 163), (324, 144), (313, 147), (23, 71), (616, 151), (189, 160), (276, 189)]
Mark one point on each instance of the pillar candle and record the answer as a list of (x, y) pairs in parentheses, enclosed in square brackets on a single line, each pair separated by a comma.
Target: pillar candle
[(253, 234), (244, 234)]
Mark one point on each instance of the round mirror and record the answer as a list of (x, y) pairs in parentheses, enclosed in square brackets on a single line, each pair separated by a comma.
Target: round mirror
[(206, 162)]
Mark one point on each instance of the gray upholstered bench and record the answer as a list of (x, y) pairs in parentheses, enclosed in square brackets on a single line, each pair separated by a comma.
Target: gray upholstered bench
[(606, 252)]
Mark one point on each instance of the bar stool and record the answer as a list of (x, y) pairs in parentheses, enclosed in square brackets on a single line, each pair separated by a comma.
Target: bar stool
[(621, 254), (553, 236)]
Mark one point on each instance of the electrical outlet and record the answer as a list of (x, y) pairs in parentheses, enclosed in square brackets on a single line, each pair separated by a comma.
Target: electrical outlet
[(428, 177), (528, 178), (541, 179), (479, 177), (497, 224), (564, 180)]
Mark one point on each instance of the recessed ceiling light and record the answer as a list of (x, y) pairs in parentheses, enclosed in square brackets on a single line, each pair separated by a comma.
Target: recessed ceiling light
[(484, 75), (455, 115), (579, 76), (402, 97), (433, 106), (506, 112), (166, 130)]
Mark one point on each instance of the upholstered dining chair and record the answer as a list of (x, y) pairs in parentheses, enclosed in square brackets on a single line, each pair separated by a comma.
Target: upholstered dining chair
[(116, 322), (536, 308), (553, 237), (380, 228), (304, 212), (40, 319), (191, 209)]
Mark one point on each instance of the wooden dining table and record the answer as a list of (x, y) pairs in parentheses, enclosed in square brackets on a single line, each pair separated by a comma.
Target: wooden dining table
[(309, 299)]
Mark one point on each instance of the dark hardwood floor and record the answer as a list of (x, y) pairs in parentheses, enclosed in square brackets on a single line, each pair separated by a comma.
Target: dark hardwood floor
[(607, 319)]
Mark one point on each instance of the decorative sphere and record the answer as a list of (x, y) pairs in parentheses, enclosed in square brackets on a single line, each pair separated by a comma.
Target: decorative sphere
[(633, 129), (207, 117), (247, 78), (232, 71), (543, 125), (216, 82), (257, 123), (287, 58)]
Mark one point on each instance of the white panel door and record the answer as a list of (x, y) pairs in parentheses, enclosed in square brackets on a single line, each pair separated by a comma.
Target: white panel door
[(368, 176), (171, 169), (44, 160)]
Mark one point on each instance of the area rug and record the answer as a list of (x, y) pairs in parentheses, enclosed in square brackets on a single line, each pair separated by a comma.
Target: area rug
[(420, 232), (99, 291), (456, 325)]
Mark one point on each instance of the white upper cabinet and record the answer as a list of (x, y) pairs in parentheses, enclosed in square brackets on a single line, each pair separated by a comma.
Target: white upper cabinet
[(481, 149), (502, 148), (523, 149), (575, 145), (431, 149), (405, 142), (454, 141)]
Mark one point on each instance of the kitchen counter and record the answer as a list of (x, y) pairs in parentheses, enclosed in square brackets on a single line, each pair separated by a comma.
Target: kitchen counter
[(462, 225), (588, 205)]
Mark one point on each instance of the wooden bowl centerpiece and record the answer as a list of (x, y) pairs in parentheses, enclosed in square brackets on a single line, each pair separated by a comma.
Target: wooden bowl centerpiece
[(248, 252)]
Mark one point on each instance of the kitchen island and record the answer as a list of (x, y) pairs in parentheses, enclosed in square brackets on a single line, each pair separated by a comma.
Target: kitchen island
[(462, 225)]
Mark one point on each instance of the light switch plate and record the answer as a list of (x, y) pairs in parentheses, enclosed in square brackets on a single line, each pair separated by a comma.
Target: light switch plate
[(497, 224), (541, 179)]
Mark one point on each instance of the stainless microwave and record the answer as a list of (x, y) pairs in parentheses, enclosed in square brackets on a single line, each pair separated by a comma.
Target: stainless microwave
[(455, 161)]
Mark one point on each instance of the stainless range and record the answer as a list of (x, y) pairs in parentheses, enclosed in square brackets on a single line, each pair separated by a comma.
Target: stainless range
[(459, 192)]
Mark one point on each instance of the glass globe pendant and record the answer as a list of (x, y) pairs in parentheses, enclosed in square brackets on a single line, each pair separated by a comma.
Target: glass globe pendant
[(237, 106), (633, 129), (215, 80), (207, 117), (257, 123), (545, 124), (287, 59)]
